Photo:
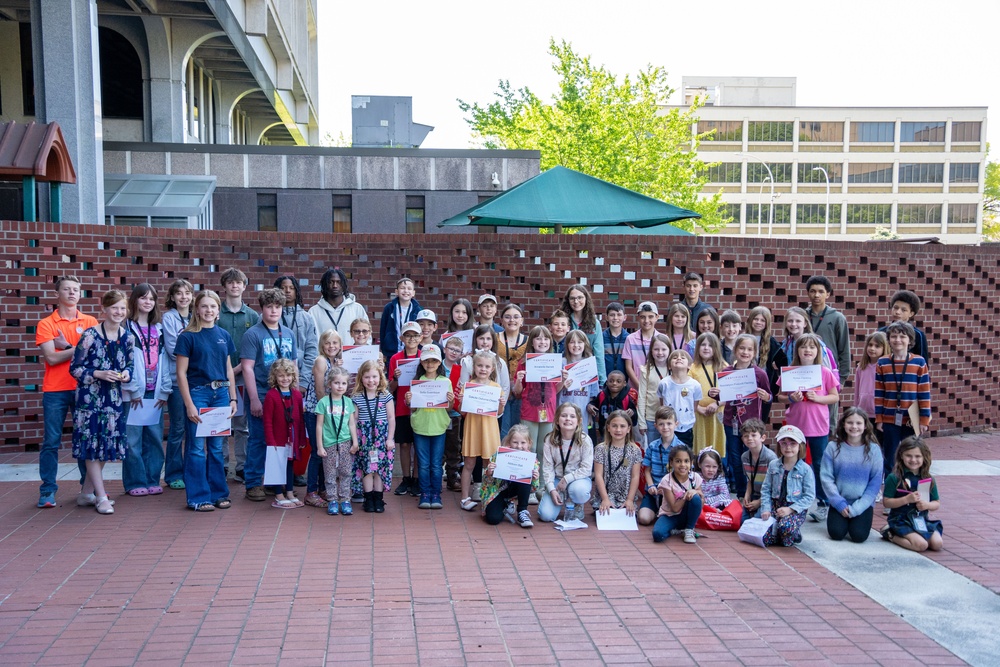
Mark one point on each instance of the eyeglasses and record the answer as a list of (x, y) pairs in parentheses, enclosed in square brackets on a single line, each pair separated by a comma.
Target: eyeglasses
[(578, 298), (360, 331)]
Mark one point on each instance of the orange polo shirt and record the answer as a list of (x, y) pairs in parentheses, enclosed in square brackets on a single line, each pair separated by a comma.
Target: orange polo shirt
[(57, 378)]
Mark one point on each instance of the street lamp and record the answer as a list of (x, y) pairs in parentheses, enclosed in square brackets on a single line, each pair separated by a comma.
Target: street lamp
[(770, 211), (760, 194), (826, 227)]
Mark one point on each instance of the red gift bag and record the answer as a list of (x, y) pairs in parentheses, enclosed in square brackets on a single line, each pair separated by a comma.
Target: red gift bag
[(729, 518)]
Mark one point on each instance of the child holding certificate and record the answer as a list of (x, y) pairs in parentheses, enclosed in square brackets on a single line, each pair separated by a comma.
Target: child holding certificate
[(577, 349), (404, 431), (617, 466), (429, 427), (910, 494), (498, 493), (538, 399), (740, 411), (284, 425), (481, 435)]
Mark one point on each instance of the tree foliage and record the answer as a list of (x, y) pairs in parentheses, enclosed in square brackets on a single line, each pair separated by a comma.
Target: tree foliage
[(614, 129), (991, 202)]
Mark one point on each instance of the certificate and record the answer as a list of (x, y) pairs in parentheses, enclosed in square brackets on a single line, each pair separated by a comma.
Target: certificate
[(146, 414), (214, 422), (407, 371), (355, 355), (464, 336), (543, 367), (801, 378), (924, 489), (616, 519), (514, 465), (737, 384), (481, 399), (429, 394), (582, 373)]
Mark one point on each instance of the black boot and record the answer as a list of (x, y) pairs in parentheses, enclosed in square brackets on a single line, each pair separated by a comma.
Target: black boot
[(369, 501), (403, 488), (414, 487), (378, 502)]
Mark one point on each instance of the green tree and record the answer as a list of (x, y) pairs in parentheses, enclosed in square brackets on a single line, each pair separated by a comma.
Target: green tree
[(991, 202), (616, 130)]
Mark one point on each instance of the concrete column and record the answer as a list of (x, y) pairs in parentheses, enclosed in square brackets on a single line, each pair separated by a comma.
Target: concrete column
[(68, 91), (166, 106)]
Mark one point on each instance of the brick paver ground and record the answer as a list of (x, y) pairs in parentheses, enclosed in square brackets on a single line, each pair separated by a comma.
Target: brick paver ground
[(155, 584)]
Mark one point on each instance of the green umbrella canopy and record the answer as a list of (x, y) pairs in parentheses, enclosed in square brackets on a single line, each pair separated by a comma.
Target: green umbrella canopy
[(564, 197), (658, 230)]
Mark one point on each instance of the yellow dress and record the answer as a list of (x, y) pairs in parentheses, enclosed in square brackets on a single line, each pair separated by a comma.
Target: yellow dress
[(480, 434), (708, 430)]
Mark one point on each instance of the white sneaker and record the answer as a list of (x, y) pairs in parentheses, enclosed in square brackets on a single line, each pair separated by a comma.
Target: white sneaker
[(524, 519), (510, 513), (532, 499), (580, 509), (689, 537), (477, 490), (819, 515)]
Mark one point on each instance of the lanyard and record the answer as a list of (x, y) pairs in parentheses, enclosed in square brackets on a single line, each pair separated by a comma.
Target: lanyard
[(678, 346), (517, 344), (335, 322), (713, 378), (277, 343), (371, 414), (617, 468), (898, 377), (112, 358), (145, 341), (184, 320), (565, 457), (295, 316), (343, 411), (754, 475), (816, 322), (642, 344), (401, 319), (657, 369), (289, 426)]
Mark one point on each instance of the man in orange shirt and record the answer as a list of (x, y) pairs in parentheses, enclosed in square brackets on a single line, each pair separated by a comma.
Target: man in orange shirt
[(57, 336)]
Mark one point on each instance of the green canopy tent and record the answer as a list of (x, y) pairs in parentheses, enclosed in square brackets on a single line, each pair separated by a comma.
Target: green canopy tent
[(564, 197)]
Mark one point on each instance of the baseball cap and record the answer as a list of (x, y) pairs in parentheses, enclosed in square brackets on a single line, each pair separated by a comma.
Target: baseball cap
[(793, 432), (427, 314), (486, 297), (430, 352), (648, 307), (411, 327)]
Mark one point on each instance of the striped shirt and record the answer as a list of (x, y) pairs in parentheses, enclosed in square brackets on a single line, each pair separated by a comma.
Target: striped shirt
[(900, 384)]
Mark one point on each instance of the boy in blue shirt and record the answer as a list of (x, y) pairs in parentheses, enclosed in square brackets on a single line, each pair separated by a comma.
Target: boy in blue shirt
[(614, 338), (656, 462)]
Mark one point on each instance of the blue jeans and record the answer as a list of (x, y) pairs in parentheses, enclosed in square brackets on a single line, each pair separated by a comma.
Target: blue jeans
[(204, 473), (687, 518), (144, 462), (733, 464), (315, 479), (253, 469), (892, 435), (817, 445), (55, 406), (430, 458), (578, 491), (511, 415), (174, 460)]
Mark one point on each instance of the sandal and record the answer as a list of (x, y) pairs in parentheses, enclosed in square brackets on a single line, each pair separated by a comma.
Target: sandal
[(467, 504), (203, 507), (314, 500), (154, 490), (176, 485), (138, 492), (224, 504), (295, 501), (104, 506), (283, 504)]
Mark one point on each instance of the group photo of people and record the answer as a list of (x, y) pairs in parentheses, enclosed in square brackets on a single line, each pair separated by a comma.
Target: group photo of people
[(658, 410)]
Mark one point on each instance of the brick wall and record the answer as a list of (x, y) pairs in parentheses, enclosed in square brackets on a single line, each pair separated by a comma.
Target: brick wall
[(958, 285)]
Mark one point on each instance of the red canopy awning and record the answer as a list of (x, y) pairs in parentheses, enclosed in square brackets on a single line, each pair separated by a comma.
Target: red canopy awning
[(34, 149)]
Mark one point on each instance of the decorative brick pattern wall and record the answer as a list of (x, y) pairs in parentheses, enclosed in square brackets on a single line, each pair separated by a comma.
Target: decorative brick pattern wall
[(958, 286)]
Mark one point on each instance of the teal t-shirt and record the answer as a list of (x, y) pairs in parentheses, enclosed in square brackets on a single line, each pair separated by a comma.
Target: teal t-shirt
[(336, 419)]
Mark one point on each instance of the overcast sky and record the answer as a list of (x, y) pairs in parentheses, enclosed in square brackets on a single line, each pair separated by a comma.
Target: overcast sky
[(849, 53)]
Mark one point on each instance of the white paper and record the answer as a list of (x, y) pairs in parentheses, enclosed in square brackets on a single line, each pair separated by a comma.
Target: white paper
[(753, 530), (616, 519), (464, 336), (924, 489), (215, 422), (574, 524), (514, 465), (543, 367), (737, 384), (429, 394), (407, 371), (481, 399), (801, 378), (276, 466), (582, 373), (355, 355), (146, 414)]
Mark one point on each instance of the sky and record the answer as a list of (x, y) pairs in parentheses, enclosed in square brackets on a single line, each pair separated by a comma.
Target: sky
[(848, 53)]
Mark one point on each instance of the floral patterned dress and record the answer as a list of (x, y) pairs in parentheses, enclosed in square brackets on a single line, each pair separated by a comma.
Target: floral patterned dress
[(373, 433), (99, 418)]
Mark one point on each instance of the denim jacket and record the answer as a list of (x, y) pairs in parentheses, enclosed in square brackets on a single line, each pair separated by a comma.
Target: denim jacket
[(801, 486)]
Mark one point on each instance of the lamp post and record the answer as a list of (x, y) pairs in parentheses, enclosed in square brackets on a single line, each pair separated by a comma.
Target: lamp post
[(826, 226), (760, 194), (770, 211)]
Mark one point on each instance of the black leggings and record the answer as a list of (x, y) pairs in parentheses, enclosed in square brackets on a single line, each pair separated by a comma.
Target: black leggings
[(494, 511), (858, 528)]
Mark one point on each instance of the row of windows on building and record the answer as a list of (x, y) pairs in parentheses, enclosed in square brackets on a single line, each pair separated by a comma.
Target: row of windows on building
[(860, 173), (267, 213), (857, 214), (833, 131)]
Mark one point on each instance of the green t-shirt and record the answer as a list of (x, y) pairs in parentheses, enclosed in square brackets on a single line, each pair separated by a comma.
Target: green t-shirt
[(336, 419), (430, 421)]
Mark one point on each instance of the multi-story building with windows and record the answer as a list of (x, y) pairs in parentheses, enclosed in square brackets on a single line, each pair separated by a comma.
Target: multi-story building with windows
[(917, 171)]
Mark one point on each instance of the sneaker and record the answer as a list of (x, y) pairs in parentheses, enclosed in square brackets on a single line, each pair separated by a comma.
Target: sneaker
[(425, 503), (332, 508), (886, 533), (819, 515), (524, 519), (510, 513), (256, 494), (885, 512), (797, 539), (436, 503), (415, 487), (532, 499), (46, 500), (403, 488), (238, 476), (346, 509), (689, 537)]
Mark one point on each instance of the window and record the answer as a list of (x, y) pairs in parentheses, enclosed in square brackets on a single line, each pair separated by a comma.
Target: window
[(725, 130), (760, 130), (832, 132), (966, 131), (872, 132), (921, 173), (910, 133), (815, 214), (962, 214), (880, 172), (342, 214), (807, 175), (414, 214), (869, 214), (726, 172), (27, 71), (730, 213), (756, 173), (964, 172), (782, 214), (918, 214), (267, 212)]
